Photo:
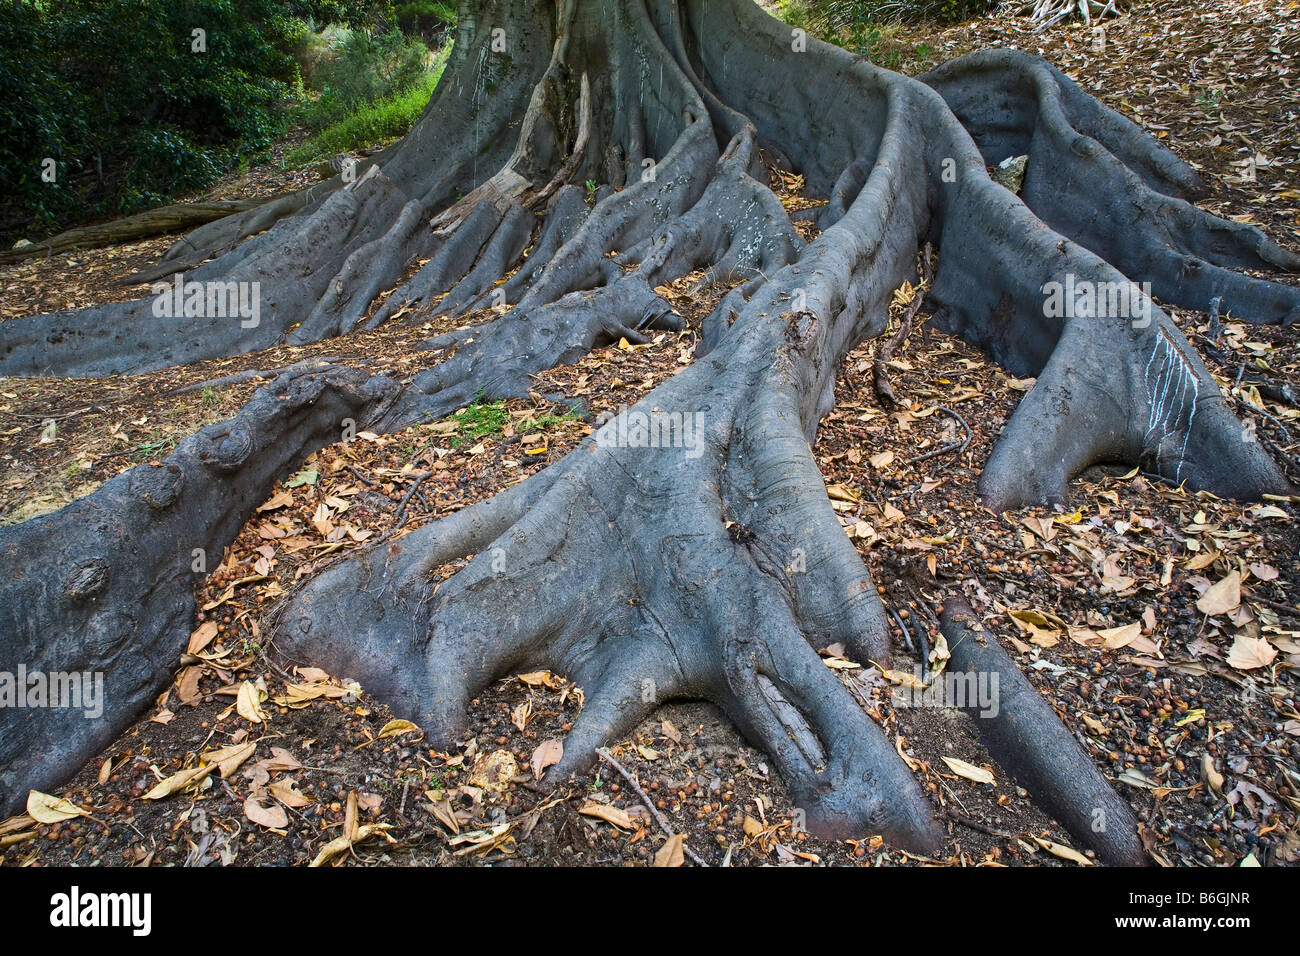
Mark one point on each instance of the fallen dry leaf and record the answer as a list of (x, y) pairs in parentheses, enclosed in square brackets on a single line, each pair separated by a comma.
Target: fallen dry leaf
[(672, 853), (969, 770), (249, 704), (44, 808), (179, 781), (272, 817), (1248, 653), (604, 811), (547, 754), (1222, 597), (395, 728)]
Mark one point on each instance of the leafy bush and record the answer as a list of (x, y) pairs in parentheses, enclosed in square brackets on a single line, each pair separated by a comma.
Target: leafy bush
[(366, 68), (848, 16), (131, 108), (427, 18), (369, 126)]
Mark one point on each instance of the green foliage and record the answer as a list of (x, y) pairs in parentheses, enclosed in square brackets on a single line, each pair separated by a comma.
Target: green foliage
[(369, 126), (133, 107), (800, 13), (480, 420), (837, 17), (365, 68), (426, 17), (550, 421)]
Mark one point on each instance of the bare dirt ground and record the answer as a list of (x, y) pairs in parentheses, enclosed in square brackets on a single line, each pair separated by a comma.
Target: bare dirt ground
[(1193, 715)]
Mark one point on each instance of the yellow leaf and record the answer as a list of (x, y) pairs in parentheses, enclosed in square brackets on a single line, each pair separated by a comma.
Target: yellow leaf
[(1063, 851), (1210, 774), (607, 813), (202, 637), (342, 844), (280, 500), (1111, 638), (541, 679), (248, 703), (395, 728), (671, 853), (229, 759), (838, 492), (44, 808), (1222, 597), (968, 770), (1043, 629), (285, 792), (1249, 653), (179, 781), (902, 678)]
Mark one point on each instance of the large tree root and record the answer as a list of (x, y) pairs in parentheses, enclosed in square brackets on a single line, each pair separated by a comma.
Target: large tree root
[(687, 549), (1093, 176), (1024, 735), (151, 222), (106, 585)]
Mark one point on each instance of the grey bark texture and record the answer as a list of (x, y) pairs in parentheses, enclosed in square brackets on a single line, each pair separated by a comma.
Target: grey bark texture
[(669, 568)]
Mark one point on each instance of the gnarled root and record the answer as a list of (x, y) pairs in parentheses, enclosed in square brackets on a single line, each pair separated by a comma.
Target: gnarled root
[(688, 548), (1024, 735), (106, 585), (1094, 176)]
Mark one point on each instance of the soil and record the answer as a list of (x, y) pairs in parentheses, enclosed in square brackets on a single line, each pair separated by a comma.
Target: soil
[(1203, 739)]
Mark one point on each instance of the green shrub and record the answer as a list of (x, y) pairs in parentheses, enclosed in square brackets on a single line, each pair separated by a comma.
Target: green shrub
[(366, 68), (369, 126), (838, 17), (426, 18), (132, 114)]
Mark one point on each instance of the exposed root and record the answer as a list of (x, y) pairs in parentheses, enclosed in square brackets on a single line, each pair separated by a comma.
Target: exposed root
[(1026, 737), (687, 549), (106, 585), (1097, 178)]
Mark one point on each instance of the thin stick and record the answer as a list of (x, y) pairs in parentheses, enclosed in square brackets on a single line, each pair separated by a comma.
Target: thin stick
[(406, 498), (879, 371), (976, 825), (957, 446), (645, 798), (369, 482)]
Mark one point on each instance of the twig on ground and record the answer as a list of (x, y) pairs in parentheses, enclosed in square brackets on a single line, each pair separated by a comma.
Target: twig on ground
[(406, 498), (956, 446), (977, 826), (664, 825), (369, 482), (879, 370)]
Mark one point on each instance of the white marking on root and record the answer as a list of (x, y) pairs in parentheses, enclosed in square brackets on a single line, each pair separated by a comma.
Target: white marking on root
[(1169, 396)]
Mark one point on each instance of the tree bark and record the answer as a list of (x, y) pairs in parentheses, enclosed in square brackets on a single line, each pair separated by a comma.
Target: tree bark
[(144, 225), (687, 547)]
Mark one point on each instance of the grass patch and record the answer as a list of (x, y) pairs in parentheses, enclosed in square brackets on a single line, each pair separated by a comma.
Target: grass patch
[(371, 125), (550, 421), (480, 420)]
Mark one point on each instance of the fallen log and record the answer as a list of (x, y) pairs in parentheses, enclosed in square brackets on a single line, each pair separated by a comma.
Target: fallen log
[(177, 217)]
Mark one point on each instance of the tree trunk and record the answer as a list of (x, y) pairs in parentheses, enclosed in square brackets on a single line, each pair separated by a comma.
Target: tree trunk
[(688, 547)]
